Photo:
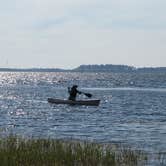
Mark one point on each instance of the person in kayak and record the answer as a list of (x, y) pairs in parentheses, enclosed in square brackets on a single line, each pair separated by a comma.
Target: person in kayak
[(73, 92)]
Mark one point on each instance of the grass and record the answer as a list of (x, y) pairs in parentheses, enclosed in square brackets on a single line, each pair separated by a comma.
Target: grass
[(15, 151)]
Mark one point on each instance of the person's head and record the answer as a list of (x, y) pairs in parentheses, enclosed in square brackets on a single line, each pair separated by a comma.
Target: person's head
[(75, 86)]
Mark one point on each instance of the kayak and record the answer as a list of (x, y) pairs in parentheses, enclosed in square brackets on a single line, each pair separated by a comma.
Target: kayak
[(77, 102)]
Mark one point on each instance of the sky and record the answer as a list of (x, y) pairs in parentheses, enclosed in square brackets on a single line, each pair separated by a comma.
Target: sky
[(66, 34)]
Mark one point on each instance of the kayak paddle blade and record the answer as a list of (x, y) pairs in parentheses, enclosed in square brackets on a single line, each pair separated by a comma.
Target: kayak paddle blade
[(88, 95)]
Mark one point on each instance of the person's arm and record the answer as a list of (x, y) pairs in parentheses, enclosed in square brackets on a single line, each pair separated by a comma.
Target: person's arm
[(79, 92)]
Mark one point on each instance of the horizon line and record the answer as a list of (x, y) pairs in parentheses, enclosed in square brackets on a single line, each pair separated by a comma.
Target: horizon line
[(61, 68)]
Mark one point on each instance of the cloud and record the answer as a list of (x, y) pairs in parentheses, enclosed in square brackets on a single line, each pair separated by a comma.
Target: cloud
[(68, 33), (107, 13)]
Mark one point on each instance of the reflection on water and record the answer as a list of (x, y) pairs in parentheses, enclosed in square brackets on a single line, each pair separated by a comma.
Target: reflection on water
[(132, 109)]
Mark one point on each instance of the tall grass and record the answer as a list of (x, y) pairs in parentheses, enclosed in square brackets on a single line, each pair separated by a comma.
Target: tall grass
[(15, 151)]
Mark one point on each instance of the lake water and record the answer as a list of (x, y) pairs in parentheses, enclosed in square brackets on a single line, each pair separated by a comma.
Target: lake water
[(132, 109)]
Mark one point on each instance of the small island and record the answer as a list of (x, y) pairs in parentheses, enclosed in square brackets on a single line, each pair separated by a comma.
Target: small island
[(92, 68)]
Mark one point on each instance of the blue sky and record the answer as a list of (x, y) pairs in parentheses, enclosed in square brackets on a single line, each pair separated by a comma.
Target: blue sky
[(65, 34)]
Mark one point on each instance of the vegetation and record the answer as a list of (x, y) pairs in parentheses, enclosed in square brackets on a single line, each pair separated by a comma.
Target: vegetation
[(16, 151), (119, 69)]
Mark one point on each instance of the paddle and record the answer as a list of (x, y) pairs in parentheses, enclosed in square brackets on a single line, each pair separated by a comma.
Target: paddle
[(87, 94)]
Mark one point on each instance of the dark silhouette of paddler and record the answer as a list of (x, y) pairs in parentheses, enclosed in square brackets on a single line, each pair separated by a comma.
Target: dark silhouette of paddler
[(73, 92)]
